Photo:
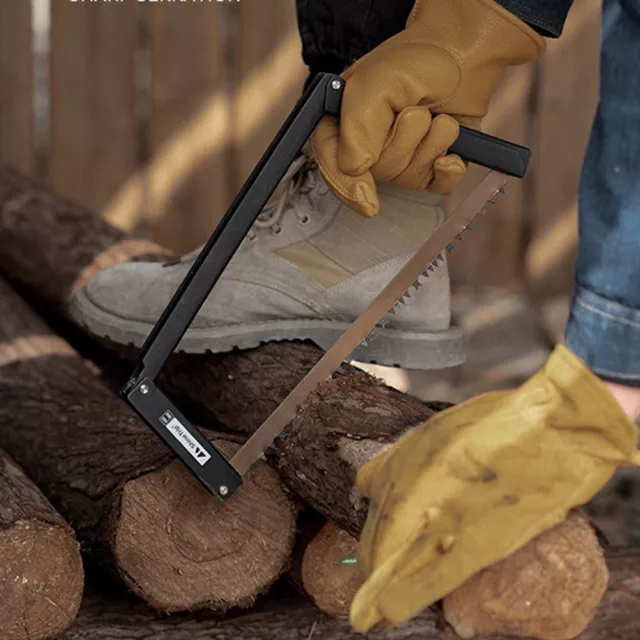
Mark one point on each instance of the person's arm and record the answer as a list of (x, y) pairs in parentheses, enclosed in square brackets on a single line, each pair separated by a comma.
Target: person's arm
[(405, 99), (335, 33)]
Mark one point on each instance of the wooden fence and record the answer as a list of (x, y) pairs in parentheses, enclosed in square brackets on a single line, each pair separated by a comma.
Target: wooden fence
[(154, 114)]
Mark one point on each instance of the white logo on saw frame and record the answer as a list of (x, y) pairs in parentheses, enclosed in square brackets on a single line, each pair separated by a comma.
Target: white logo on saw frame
[(180, 433)]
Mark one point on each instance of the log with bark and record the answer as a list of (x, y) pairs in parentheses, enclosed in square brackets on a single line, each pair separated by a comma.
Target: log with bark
[(288, 617), (41, 574), (135, 507)]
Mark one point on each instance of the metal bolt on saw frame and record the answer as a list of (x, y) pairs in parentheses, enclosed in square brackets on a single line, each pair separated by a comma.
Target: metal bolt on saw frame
[(323, 97)]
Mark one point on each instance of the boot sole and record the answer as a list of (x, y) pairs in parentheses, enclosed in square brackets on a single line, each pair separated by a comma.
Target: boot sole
[(390, 347)]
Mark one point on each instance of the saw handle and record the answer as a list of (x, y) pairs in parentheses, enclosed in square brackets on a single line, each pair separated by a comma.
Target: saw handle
[(472, 146), (491, 152)]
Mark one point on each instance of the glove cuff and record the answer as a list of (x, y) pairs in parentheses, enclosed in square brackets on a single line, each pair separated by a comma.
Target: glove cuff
[(584, 393)]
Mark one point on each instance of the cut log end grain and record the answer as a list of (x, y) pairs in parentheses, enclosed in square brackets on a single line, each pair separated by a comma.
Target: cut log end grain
[(185, 549), (41, 573), (328, 580), (41, 580), (550, 589)]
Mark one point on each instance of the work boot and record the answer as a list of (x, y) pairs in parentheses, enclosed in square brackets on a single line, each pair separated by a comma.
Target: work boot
[(308, 267)]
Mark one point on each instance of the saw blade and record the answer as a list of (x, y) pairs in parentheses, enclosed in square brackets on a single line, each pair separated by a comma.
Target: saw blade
[(460, 218), (428, 272)]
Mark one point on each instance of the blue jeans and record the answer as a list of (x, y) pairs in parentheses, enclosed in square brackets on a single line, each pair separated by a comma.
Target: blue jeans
[(604, 324)]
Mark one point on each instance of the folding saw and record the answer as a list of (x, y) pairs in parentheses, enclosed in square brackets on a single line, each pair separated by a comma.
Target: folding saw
[(223, 477)]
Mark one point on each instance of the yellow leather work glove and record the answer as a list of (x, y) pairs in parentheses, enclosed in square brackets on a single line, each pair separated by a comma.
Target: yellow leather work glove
[(448, 60), (478, 481)]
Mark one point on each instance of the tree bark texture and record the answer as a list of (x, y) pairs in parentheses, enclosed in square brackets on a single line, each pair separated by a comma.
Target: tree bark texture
[(81, 245), (41, 574), (345, 423), (135, 508)]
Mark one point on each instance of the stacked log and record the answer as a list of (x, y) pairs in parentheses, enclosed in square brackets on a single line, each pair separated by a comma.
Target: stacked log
[(135, 508), (41, 573)]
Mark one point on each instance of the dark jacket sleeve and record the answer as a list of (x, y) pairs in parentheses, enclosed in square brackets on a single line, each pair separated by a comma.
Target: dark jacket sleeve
[(546, 16), (335, 33)]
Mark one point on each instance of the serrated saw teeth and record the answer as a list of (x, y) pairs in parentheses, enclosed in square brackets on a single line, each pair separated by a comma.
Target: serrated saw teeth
[(384, 323), (498, 194)]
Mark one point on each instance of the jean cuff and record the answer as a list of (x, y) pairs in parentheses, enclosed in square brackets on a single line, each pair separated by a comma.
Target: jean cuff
[(606, 335)]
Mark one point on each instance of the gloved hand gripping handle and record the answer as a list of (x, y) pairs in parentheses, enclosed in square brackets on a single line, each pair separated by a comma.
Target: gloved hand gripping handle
[(323, 97)]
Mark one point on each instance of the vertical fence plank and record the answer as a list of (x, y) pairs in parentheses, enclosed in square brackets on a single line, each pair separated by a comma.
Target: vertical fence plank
[(190, 121), (566, 100), (16, 86), (269, 78), (491, 254), (94, 145)]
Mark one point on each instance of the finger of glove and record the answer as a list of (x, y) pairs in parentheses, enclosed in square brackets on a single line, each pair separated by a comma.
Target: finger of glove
[(448, 173), (366, 607), (389, 480), (441, 135), (382, 532), (426, 580), (357, 193), (366, 118), (406, 135)]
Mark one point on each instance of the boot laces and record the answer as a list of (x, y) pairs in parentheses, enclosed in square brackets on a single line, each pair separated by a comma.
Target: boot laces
[(300, 180)]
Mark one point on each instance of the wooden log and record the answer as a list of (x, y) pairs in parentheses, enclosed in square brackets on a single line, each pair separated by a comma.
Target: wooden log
[(81, 245), (549, 589), (41, 574), (289, 617), (328, 575), (136, 509)]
